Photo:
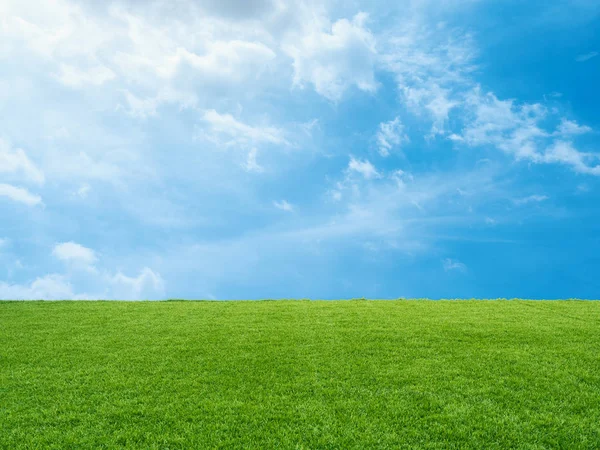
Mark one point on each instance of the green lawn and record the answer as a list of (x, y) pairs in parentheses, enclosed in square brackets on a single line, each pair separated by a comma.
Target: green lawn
[(300, 374)]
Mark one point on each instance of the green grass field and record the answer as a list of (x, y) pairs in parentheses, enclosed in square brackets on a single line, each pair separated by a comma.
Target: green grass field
[(300, 374)]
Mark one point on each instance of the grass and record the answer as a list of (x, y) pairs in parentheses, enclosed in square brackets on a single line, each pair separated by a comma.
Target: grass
[(299, 374)]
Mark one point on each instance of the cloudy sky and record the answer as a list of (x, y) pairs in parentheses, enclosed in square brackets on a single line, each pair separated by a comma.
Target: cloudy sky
[(226, 149)]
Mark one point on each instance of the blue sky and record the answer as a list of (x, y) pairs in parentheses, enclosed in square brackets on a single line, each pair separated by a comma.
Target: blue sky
[(275, 149)]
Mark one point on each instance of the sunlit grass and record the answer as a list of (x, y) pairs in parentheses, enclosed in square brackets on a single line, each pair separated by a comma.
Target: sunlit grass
[(299, 374)]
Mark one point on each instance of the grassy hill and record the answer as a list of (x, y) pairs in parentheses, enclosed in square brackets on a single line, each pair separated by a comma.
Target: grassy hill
[(300, 374)]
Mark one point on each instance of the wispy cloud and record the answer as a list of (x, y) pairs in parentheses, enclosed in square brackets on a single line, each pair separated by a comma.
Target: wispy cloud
[(226, 130), (16, 161), (453, 265), (20, 195), (535, 198), (251, 164), (586, 57), (76, 77), (363, 167), (83, 191), (390, 135), (568, 128), (284, 205), (432, 66), (521, 130)]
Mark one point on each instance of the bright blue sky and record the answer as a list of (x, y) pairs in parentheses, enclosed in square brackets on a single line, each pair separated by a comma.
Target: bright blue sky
[(271, 148)]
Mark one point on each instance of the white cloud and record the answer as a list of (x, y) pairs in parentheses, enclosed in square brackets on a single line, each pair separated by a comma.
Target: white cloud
[(20, 195), (226, 130), (143, 50), (238, 9), (586, 57), (77, 77), (284, 206), (80, 165), (453, 264), (432, 67), (251, 164), (336, 194), (155, 41), (83, 191), (147, 285), (434, 100), (513, 129), (390, 135), (563, 152), (309, 126), (216, 62), (97, 283), (582, 188), (400, 206), (148, 106), (535, 198), (335, 58), (518, 129), (401, 178), (49, 287), (233, 60), (15, 161), (74, 253), (571, 128), (363, 167), (58, 29), (178, 74)]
